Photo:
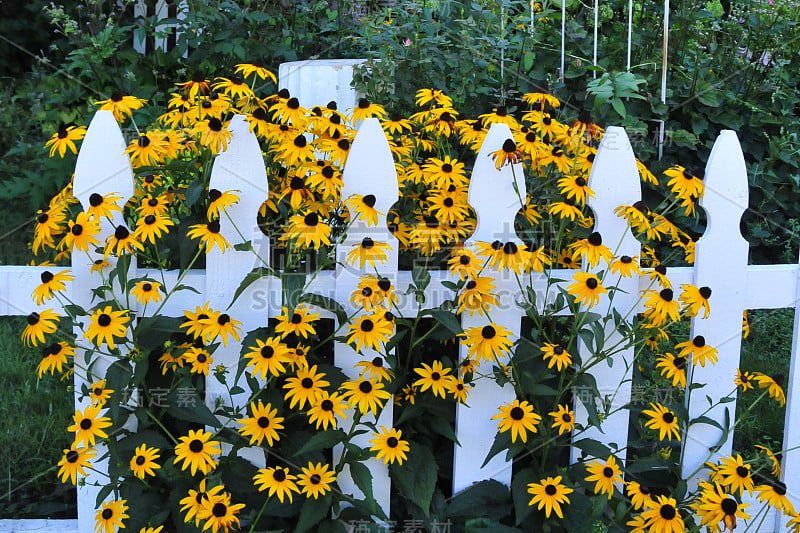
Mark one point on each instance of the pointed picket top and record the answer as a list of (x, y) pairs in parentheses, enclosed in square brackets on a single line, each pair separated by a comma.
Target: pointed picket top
[(492, 193), (721, 265), (240, 168), (370, 170), (615, 181), (102, 166), (725, 195)]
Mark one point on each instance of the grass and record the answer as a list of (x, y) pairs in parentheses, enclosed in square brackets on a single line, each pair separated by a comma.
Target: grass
[(33, 432)]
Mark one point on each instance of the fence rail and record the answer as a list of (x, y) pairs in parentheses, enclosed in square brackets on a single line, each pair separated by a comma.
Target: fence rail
[(721, 263)]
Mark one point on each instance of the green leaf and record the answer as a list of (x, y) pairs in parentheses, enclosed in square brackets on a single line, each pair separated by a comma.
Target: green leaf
[(322, 441), (519, 492), (252, 276), (190, 408), (619, 107), (246, 246), (313, 511), (416, 478), (448, 320), (103, 494), (323, 302), (293, 284), (501, 442), (488, 499), (527, 60), (186, 288), (421, 277), (194, 191), (593, 448), (362, 477)]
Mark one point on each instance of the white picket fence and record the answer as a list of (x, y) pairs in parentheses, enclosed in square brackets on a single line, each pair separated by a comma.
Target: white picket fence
[(721, 263)]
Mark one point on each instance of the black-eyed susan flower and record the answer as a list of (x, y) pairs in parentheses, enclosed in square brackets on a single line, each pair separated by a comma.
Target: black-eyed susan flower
[(375, 368), (659, 274), (745, 325), (365, 394), (193, 502), (278, 481), (566, 210), (477, 296), (593, 249), (103, 206), (587, 289), (146, 292), (673, 368), (432, 96), (268, 357), (369, 331), (507, 154), (234, 87), (772, 459), (463, 262), (734, 474), (662, 516), (519, 417), (308, 231), (663, 420), (556, 355), (458, 388), (88, 425), (695, 300), (264, 424), (488, 342), (74, 461), (443, 173), (325, 408), (195, 321), (64, 139), (110, 516), (363, 208), (296, 151), (98, 393), (685, 182), (774, 386), (605, 475), (143, 461), (199, 359), (698, 350), (248, 69), (105, 324), (714, 506), (563, 419), (549, 494), (304, 386), (394, 123), (288, 110), (661, 307), (368, 251), (81, 233), (366, 109), (209, 235), (743, 380), (773, 494), (315, 480), (219, 513), (638, 493), (213, 134), (626, 266), (299, 322), (121, 105), (121, 241), (219, 200), (390, 446), (54, 357), (145, 150), (220, 326), (432, 377), (38, 325), (195, 451)]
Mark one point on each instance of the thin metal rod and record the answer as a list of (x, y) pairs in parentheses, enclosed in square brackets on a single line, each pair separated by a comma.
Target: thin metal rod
[(596, 20), (630, 32), (665, 53), (563, 33)]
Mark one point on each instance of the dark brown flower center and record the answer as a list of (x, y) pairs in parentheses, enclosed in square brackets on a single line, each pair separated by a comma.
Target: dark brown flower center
[(369, 200), (76, 229), (365, 387), (140, 460), (326, 405), (263, 422), (219, 510), (705, 292), (626, 259), (279, 475), (72, 456), (517, 413), (33, 318), (214, 195), (150, 220), (214, 124), (509, 146), (311, 219), (608, 472), (300, 141), (307, 383), (267, 352), (144, 141), (595, 239), (591, 283), (201, 358), (367, 325), (580, 182), (741, 471), (213, 227), (699, 341), (488, 332), (668, 418), (196, 446), (550, 490), (95, 199), (104, 320), (46, 276), (86, 424), (367, 243), (510, 248), (729, 506), (378, 362), (667, 512), (392, 442), (223, 319), (296, 318), (666, 295), (107, 514)]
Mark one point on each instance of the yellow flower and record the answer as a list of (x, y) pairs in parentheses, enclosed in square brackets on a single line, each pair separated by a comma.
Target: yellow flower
[(147, 291), (550, 494), (106, 324), (195, 450), (519, 417), (390, 446), (606, 474), (65, 139)]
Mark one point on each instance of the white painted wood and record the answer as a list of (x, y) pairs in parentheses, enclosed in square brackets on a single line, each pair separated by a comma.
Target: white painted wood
[(317, 82), (240, 168), (160, 39), (496, 196), (369, 170), (791, 435), (721, 263), (43, 525), (101, 168), (615, 180), (139, 36)]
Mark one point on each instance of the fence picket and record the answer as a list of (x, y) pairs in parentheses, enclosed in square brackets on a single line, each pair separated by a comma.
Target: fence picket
[(791, 432), (101, 168), (496, 196), (369, 170), (721, 264), (615, 181), (239, 168)]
